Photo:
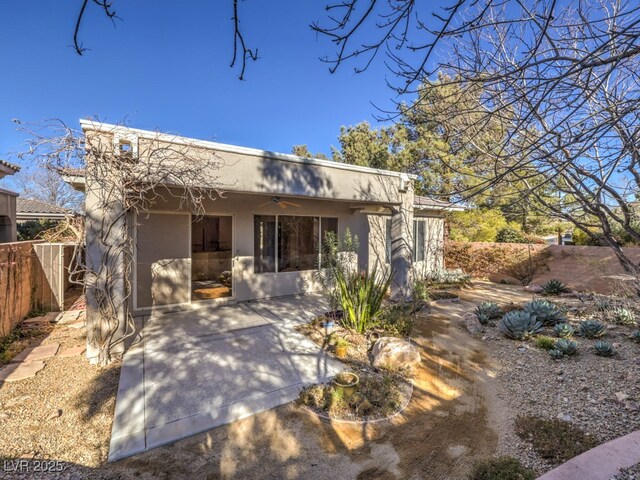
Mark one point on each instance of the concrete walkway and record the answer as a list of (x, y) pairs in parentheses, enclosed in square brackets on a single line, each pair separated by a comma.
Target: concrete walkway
[(195, 370), (601, 462)]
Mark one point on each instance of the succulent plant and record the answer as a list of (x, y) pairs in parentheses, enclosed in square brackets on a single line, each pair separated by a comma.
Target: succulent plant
[(604, 349), (546, 312), (624, 316), (520, 325), (486, 311), (636, 336), (591, 329), (566, 346), (554, 287), (564, 330), (556, 354)]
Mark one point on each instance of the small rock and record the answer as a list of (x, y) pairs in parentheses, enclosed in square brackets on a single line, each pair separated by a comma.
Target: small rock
[(472, 323), (621, 397), (56, 414), (533, 288), (565, 417), (632, 405)]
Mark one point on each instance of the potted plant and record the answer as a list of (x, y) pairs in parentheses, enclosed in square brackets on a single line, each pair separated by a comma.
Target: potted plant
[(347, 383), (341, 347)]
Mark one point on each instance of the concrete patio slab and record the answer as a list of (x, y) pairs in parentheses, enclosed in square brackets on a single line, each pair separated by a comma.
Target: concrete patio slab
[(196, 370), (19, 371), (41, 352)]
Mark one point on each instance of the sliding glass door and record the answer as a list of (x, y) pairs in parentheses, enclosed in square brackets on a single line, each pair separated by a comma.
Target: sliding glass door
[(211, 257)]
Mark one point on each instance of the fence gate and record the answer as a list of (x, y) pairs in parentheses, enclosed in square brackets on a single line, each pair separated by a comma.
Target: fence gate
[(55, 260)]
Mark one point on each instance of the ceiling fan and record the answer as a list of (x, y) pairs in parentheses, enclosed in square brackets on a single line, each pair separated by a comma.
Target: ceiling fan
[(281, 203)]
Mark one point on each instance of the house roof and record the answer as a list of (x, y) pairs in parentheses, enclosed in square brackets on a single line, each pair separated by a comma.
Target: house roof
[(7, 168), (91, 125), (32, 208)]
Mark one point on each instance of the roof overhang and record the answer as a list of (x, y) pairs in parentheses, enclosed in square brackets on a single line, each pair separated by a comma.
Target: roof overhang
[(92, 125)]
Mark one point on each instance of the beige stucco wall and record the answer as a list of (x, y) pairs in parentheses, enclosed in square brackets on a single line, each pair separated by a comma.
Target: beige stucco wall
[(164, 248)]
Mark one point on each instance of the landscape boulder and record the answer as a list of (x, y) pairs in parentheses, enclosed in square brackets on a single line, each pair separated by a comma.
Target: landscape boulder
[(472, 323), (394, 353)]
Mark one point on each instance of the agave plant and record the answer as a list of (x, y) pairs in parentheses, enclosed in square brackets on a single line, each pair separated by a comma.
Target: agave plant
[(604, 349), (556, 354), (546, 312), (636, 336), (486, 311), (591, 329), (566, 346), (624, 316), (554, 287), (564, 330), (520, 325)]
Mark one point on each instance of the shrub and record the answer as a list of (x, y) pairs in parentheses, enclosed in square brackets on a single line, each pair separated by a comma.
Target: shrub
[(591, 329), (525, 265), (546, 312), (604, 349), (520, 325), (545, 343), (510, 235), (448, 276), (554, 287), (566, 346), (554, 440), (420, 291), (624, 316), (501, 468), (487, 311), (397, 319), (564, 330)]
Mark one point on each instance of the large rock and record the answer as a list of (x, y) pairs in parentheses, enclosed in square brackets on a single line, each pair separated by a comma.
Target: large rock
[(394, 353), (472, 323)]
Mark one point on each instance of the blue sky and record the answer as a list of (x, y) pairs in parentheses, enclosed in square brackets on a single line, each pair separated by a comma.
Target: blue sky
[(167, 67)]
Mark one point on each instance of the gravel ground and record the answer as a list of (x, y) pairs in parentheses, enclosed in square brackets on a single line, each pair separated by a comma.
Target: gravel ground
[(64, 413), (632, 473), (599, 395)]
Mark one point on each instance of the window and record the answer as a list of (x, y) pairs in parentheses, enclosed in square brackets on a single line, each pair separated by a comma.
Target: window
[(388, 239), (418, 240), (264, 243), (287, 243)]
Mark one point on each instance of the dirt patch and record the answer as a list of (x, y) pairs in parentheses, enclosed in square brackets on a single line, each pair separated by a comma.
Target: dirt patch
[(64, 413)]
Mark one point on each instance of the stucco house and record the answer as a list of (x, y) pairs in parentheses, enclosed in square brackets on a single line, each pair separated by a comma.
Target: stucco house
[(261, 238), (8, 230)]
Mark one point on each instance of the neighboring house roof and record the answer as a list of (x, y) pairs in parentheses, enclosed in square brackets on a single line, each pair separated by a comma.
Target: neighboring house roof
[(32, 209), (7, 168), (427, 203)]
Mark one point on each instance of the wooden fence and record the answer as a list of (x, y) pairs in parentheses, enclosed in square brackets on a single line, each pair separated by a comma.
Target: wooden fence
[(33, 275)]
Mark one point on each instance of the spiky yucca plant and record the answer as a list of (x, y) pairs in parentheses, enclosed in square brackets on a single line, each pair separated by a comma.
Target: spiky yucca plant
[(554, 287), (566, 346), (564, 330), (546, 312), (624, 316), (591, 329), (520, 325), (360, 295), (604, 349), (486, 311)]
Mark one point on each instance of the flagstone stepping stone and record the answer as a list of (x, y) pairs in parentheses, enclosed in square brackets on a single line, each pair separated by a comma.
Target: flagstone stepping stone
[(36, 353), (19, 371), (73, 351)]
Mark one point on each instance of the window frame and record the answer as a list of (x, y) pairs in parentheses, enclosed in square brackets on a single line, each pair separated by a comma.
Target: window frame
[(276, 246)]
